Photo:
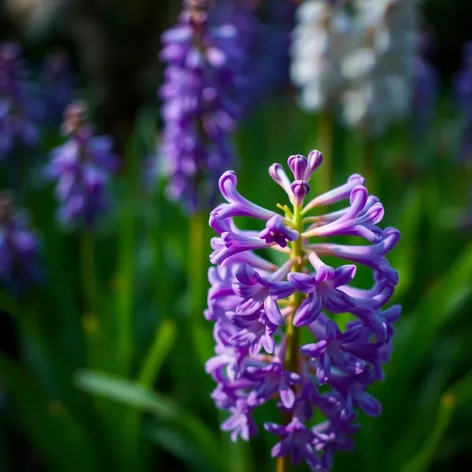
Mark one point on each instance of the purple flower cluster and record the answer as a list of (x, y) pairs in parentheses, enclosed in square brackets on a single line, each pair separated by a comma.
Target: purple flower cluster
[(426, 84), (19, 109), (463, 88), (265, 44), (262, 311), (82, 168), (19, 248), (57, 84), (199, 110)]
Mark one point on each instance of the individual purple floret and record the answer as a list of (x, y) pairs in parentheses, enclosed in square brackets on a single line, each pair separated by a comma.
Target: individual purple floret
[(260, 310), (82, 168), (19, 248), (19, 109), (463, 88), (199, 110), (57, 85)]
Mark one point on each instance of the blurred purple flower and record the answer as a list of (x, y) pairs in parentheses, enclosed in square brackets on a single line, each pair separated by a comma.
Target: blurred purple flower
[(19, 248), (265, 43), (463, 89), (19, 108), (57, 85), (82, 168), (258, 310), (199, 108), (424, 92)]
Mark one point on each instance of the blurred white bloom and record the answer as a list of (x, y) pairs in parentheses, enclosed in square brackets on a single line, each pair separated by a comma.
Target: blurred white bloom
[(319, 42), (360, 61)]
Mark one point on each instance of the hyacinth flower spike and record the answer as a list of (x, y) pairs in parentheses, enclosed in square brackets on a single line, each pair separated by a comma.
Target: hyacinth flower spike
[(20, 111), (199, 104), (19, 248), (81, 167), (260, 309)]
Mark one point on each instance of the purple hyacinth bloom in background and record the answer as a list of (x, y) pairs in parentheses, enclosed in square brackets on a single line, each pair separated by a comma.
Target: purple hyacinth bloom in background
[(57, 85), (82, 168), (199, 109), (260, 310), (425, 87), (19, 108), (265, 43), (19, 248), (463, 88)]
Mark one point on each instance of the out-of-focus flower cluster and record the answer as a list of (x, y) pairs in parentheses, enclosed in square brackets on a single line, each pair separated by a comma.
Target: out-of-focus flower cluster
[(19, 248), (463, 89), (357, 56), (82, 168), (265, 44), (19, 109), (199, 107), (261, 312)]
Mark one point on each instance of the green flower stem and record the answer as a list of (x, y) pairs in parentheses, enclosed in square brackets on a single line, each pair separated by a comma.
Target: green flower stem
[(90, 324), (197, 266), (293, 334), (87, 259), (324, 174), (368, 170)]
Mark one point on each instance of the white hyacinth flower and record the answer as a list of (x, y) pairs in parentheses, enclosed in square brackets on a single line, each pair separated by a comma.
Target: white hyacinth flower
[(360, 61), (319, 43)]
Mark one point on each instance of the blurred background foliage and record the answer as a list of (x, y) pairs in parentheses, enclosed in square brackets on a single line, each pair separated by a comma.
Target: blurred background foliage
[(124, 388)]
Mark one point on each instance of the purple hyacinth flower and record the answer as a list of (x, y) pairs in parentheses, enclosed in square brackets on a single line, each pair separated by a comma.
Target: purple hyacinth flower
[(271, 379), (463, 89), (264, 40), (19, 248), (81, 167), (260, 310), (57, 85), (20, 110), (199, 107), (297, 441)]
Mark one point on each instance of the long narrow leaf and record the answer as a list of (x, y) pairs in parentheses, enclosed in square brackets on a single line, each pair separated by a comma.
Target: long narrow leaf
[(55, 434), (161, 407), (160, 348), (421, 461)]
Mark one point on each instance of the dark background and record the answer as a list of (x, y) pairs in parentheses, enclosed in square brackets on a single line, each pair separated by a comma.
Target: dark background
[(114, 45)]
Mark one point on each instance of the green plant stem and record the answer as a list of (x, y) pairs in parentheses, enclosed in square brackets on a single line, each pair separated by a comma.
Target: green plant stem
[(368, 170), (89, 308), (324, 174), (293, 334), (87, 258), (124, 321), (197, 264)]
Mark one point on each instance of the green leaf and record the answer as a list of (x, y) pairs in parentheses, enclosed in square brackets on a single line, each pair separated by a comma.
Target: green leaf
[(404, 257), (420, 461), (163, 408), (462, 390), (55, 434), (160, 348), (417, 334), (180, 447)]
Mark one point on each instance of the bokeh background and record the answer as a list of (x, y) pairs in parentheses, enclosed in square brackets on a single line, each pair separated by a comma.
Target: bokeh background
[(124, 388)]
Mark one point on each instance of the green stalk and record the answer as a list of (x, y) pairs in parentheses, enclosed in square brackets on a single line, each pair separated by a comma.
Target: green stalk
[(324, 174), (197, 265), (293, 334), (368, 170), (126, 274), (89, 315)]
